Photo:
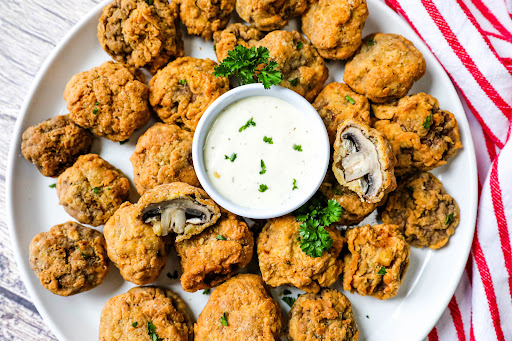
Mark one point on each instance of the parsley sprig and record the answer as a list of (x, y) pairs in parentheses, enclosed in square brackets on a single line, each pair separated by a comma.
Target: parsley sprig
[(246, 64)]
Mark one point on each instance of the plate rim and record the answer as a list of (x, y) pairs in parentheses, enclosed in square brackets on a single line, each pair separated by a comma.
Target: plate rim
[(13, 149)]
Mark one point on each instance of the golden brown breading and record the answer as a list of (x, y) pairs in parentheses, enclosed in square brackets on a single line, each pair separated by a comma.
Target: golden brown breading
[(69, 259), (92, 190), (177, 208), (204, 17), (135, 249), (141, 35), (354, 209), (132, 315), (326, 316), (250, 312), (423, 136), (269, 15), (109, 100), (385, 67), (184, 89), (235, 34), (55, 144), (423, 210), (335, 27), (216, 254), (337, 103), (283, 262), (163, 155), (376, 261)]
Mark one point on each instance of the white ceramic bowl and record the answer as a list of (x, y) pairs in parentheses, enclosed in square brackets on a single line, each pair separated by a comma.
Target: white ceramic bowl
[(308, 112)]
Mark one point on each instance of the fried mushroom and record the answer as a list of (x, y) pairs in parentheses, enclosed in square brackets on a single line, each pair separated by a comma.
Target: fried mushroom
[(269, 15), (363, 161), (234, 35), (204, 17)]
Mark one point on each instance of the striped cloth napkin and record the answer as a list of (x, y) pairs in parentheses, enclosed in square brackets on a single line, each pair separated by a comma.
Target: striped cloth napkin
[(473, 41)]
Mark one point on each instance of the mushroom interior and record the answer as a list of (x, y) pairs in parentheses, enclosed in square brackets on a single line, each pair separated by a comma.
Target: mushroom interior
[(174, 215), (361, 162)]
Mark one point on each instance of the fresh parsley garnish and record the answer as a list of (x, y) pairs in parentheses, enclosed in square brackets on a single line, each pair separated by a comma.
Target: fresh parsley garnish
[(371, 42), (289, 300), (206, 292), (428, 122), (287, 292), (95, 111), (268, 140), (263, 167), (449, 219), (152, 331), (246, 64), (149, 2), (300, 45), (247, 124), (294, 185), (174, 275), (53, 185), (382, 271), (96, 189), (125, 141), (263, 188), (224, 320), (232, 158), (293, 82), (183, 81), (97, 103), (350, 99), (297, 147), (221, 237), (134, 324)]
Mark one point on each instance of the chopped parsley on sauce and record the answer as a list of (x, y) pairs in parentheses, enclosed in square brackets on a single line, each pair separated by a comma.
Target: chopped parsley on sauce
[(248, 124), (263, 188), (297, 147), (263, 167), (294, 185), (268, 140), (232, 158)]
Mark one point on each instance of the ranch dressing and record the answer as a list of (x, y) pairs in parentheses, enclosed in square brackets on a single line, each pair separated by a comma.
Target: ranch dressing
[(233, 158)]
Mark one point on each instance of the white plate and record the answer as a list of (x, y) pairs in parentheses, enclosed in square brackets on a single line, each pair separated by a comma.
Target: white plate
[(32, 206)]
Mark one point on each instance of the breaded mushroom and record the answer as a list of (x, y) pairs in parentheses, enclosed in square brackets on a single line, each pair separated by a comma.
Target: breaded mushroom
[(184, 89), (69, 259), (283, 262), (109, 100), (376, 261), (421, 207), (216, 254), (146, 314), (385, 67), (337, 103), (133, 246), (204, 17), (422, 135), (325, 316), (141, 33), (335, 27), (55, 144), (240, 309), (163, 155), (234, 35), (269, 15), (92, 190)]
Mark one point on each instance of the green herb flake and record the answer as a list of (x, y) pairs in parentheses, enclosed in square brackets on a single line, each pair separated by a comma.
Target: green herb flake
[(382, 271), (297, 147), (149, 2), (294, 185), (95, 111), (248, 124), (96, 189), (214, 47), (289, 300), (109, 189), (134, 324), (263, 188), (232, 158), (174, 275), (268, 140), (449, 219), (428, 122), (294, 82), (350, 99), (183, 81), (53, 185), (221, 237), (371, 42), (300, 45), (152, 331), (367, 316), (84, 256), (263, 167), (97, 103), (287, 292), (224, 320), (206, 292)]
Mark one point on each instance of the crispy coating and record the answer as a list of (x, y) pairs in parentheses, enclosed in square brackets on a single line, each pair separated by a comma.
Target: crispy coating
[(216, 254), (55, 144), (354, 209), (135, 249), (69, 259), (334, 104), (163, 155), (325, 316), (423, 210), (109, 100), (335, 27), (235, 34), (371, 248), (283, 262), (127, 317), (269, 15), (251, 313), (204, 17), (420, 143), (184, 89), (92, 190), (137, 34), (385, 67)]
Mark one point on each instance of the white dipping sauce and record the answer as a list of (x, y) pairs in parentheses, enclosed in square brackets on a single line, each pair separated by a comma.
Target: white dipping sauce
[(239, 181)]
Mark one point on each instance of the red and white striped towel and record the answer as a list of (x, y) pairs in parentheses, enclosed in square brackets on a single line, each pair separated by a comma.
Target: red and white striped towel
[(473, 41)]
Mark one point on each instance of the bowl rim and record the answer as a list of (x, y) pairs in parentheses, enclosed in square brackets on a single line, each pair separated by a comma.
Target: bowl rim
[(252, 90)]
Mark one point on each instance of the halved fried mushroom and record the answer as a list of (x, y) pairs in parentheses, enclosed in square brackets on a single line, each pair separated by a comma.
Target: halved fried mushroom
[(177, 208), (364, 161)]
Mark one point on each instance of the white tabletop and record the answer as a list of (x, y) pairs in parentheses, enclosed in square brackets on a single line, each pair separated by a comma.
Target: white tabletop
[(29, 30)]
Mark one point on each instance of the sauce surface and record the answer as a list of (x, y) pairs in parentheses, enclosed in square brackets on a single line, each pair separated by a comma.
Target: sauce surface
[(246, 168)]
